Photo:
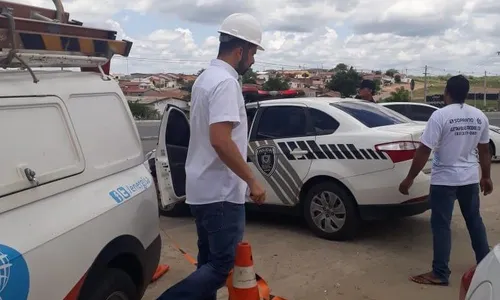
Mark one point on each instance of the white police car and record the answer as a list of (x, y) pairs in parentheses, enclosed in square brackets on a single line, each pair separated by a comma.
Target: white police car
[(335, 161), (421, 112)]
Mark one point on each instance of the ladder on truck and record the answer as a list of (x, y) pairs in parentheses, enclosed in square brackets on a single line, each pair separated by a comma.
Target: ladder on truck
[(35, 37)]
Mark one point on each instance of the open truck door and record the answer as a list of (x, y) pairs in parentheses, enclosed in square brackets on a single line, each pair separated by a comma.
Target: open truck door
[(171, 154)]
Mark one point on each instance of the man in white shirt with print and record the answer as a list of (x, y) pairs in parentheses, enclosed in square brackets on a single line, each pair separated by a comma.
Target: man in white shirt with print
[(217, 174), (459, 135)]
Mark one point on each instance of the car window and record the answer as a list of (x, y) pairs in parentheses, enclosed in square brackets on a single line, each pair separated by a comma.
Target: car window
[(322, 123), (371, 114), (251, 112), (400, 108), (420, 112), (277, 122)]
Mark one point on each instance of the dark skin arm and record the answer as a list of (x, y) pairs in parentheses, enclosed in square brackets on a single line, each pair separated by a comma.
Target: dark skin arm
[(485, 163), (419, 160), (484, 159)]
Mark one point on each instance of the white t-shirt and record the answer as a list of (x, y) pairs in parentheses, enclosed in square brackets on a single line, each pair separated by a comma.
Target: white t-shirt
[(216, 97), (454, 132)]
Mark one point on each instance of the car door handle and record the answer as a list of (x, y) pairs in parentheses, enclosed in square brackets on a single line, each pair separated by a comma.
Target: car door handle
[(299, 152)]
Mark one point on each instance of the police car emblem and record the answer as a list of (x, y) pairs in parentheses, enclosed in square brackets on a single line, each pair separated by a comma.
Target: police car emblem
[(265, 156)]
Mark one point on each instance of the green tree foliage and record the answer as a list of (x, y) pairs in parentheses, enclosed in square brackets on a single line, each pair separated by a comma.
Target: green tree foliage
[(187, 86), (250, 77), (141, 111), (277, 83), (391, 72), (397, 78), (346, 82), (400, 95), (341, 67), (378, 85)]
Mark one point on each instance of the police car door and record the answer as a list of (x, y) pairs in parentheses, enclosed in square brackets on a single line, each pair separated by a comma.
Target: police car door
[(171, 154), (278, 151)]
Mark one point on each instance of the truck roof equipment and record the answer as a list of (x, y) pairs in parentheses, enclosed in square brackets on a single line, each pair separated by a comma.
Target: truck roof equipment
[(35, 37)]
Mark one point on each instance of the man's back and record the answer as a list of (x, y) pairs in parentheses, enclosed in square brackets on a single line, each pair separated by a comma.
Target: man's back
[(460, 128), (216, 97)]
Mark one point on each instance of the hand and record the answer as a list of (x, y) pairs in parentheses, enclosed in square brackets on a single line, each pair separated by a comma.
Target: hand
[(405, 186), (257, 192), (486, 186)]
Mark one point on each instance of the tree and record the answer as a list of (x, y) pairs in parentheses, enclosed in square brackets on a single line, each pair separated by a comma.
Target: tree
[(188, 86), (276, 84), (200, 71), (345, 82), (341, 67), (378, 85), (249, 77), (391, 72), (397, 78), (400, 95), (141, 111), (378, 72)]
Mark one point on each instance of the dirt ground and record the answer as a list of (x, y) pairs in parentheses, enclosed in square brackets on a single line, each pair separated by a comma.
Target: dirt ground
[(376, 266)]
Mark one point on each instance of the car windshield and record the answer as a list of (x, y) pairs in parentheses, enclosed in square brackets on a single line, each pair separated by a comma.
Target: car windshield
[(371, 114)]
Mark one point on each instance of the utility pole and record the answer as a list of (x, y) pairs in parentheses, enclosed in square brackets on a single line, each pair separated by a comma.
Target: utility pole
[(425, 84), (484, 93)]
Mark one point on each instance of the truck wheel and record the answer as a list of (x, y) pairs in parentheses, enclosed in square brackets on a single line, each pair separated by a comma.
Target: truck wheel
[(331, 212), (114, 284)]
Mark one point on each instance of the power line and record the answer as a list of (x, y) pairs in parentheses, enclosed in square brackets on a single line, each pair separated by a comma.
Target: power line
[(279, 65)]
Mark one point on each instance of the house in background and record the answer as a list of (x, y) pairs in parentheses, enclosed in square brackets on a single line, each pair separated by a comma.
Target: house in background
[(263, 76), (159, 99)]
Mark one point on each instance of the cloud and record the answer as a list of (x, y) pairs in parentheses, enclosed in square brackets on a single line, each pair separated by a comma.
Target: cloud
[(404, 34)]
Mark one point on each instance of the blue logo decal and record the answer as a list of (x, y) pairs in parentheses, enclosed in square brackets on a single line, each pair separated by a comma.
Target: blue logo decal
[(116, 196), (127, 191), (14, 275), (123, 192)]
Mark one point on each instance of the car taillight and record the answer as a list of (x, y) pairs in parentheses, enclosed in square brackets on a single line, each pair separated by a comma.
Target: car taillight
[(399, 151), (465, 282)]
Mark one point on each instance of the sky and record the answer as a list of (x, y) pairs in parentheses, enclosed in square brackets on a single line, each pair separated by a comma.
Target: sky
[(174, 36)]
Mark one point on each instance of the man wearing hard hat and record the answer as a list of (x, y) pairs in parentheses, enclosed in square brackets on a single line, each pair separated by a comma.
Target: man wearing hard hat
[(218, 178)]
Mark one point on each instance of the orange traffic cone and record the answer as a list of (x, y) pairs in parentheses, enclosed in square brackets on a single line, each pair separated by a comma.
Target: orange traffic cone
[(160, 271), (242, 282)]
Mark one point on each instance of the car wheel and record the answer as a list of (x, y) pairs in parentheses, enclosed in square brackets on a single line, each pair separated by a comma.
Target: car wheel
[(331, 212), (114, 284)]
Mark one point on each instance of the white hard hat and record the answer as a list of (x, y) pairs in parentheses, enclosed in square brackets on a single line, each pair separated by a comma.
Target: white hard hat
[(243, 26)]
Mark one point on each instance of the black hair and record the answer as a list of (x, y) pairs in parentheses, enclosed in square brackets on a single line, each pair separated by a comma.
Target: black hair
[(369, 84), (458, 88), (229, 43)]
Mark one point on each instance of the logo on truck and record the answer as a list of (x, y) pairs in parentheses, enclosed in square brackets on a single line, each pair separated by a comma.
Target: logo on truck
[(14, 274)]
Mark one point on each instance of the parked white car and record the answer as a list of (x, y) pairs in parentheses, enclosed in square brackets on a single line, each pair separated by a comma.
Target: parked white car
[(334, 161), (421, 112), (483, 281)]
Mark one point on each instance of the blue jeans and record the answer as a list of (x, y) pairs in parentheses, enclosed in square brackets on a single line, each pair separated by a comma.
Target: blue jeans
[(442, 199), (220, 228)]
